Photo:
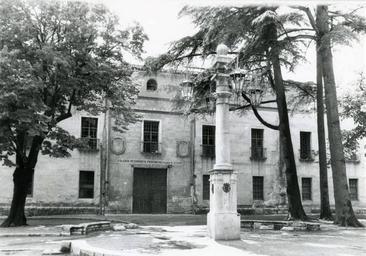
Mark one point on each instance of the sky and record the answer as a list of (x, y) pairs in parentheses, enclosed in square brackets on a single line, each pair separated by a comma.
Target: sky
[(160, 21)]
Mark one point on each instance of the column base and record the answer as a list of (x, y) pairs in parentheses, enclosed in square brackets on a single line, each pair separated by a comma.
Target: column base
[(223, 226)]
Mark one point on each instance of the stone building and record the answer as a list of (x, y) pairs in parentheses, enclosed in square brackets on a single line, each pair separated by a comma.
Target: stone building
[(161, 164)]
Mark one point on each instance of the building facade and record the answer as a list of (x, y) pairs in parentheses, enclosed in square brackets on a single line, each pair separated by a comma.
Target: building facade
[(161, 163)]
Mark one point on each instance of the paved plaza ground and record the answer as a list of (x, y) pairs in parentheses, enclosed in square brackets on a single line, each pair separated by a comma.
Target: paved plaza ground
[(178, 235)]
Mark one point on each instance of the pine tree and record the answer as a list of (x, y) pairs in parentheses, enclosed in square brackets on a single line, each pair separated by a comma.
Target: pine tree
[(259, 29)]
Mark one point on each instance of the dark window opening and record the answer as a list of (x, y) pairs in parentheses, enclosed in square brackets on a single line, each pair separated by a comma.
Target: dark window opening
[(86, 184), (89, 129), (258, 188), (151, 137), (206, 187), (305, 146), (353, 189), (257, 150), (306, 188), (30, 187), (151, 85), (208, 140)]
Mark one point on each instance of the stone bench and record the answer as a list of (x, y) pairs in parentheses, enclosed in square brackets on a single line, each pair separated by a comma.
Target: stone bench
[(278, 225), (86, 228)]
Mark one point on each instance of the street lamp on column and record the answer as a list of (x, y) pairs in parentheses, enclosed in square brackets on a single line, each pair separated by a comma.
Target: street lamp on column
[(223, 220)]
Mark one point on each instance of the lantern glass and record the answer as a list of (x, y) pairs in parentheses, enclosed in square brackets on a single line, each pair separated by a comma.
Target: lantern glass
[(187, 89), (255, 90), (237, 79), (255, 96)]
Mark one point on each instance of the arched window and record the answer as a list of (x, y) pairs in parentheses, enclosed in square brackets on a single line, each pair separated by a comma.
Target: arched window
[(151, 85)]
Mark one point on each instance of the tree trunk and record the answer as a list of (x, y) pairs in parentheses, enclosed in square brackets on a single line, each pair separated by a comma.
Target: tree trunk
[(22, 179), (325, 212), (295, 208), (343, 206)]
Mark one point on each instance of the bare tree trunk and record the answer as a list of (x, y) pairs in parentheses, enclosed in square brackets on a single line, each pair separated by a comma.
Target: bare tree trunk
[(343, 206), (325, 212), (295, 208)]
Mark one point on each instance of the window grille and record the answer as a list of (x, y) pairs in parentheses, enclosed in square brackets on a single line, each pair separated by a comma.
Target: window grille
[(305, 145), (257, 150), (206, 187), (86, 184), (151, 85), (30, 187), (151, 137), (208, 141), (353, 189), (258, 188), (306, 188), (89, 129)]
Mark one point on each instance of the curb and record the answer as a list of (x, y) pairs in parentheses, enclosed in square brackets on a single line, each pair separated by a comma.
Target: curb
[(81, 247), (34, 234)]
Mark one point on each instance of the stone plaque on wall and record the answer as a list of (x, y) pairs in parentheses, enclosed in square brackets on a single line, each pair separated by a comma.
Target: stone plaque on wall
[(118, 145), (183, 148)]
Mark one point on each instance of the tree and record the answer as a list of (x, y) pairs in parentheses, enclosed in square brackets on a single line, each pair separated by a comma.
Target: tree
[(325, 211), (57, 57), (259, 29), (354, 107), (344, 211)]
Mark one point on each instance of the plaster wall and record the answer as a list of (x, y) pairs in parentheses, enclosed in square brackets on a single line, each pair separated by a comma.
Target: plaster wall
[(56, 181)]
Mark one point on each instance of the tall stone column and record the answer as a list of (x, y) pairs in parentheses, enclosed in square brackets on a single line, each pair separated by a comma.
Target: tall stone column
[(223, 221)]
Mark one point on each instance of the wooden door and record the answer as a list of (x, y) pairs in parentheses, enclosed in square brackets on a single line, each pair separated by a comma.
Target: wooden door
[(149, 190)]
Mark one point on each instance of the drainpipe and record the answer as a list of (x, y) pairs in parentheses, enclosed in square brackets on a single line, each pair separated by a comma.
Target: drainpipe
[(107, 166), (104, 160), (192, 163), (102, 165)]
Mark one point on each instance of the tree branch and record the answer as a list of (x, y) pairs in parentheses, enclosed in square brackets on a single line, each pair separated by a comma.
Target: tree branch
[(63, 117), (310, 16), (258, 116), (245, 106), (294, 30)]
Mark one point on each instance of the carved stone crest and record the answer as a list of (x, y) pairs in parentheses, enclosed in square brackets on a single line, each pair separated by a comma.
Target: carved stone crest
[(226, 187), (118, 145), (182, 148)]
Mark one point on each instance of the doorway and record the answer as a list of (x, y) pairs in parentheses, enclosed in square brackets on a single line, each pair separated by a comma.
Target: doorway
[(149, 190)]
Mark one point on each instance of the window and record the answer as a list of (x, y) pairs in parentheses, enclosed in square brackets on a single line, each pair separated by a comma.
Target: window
[(30, 188), (305, 146), (208, 140), (257, 149), (258, 188), (86, 184), (306, 188), (89, 126), (206, 187), (151, 85), (151, 137), (353, 189)]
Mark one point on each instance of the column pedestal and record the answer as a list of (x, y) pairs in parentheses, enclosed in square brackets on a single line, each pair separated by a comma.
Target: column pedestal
[(223, 221)]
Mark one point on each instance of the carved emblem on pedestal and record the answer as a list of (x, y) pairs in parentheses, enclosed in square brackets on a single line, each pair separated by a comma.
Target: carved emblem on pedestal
[(118, 145), (226, 187)]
